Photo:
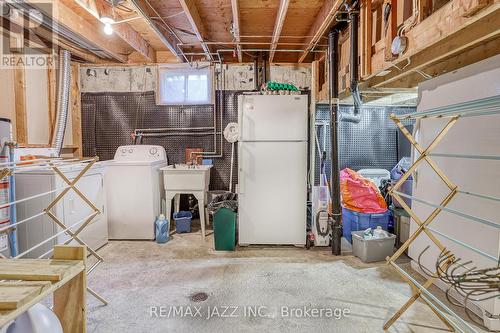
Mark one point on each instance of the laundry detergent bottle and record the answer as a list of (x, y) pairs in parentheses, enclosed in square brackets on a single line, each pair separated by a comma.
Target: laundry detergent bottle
[(161, 226)]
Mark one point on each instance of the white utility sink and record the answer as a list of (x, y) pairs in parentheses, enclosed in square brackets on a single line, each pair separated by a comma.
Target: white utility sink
[(186, 177)]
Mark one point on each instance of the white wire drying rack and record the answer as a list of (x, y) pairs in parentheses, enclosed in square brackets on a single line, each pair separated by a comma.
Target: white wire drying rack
[(59, 166), (452, 113)]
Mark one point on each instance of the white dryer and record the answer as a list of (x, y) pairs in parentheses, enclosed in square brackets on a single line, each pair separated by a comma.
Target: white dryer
[(134, 187), (71, 209)]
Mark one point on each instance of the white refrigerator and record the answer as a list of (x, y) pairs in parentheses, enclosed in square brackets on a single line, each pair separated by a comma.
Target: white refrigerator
[(272, 169)]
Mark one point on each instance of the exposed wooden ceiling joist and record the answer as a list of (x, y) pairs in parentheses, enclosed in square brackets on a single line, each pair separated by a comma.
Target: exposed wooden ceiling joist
[(194, 19), (67, 17), (100, 9), (162, 30), (278, 26), (236, 27), (323, 21)]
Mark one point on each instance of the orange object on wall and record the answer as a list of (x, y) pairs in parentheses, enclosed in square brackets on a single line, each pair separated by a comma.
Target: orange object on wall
[(360, 194), (191, 155)]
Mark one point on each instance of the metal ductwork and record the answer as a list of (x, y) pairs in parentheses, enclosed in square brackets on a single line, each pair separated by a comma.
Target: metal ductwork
[(354, 117), (63, 88), (333, 94)]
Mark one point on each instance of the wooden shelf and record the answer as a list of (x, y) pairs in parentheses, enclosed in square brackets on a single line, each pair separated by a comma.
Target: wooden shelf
[(31, 280)]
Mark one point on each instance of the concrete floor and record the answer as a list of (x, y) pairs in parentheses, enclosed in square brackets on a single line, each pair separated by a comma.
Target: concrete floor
[(144, 282)]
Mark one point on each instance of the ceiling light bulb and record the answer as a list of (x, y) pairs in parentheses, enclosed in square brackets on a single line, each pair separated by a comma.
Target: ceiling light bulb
[(108, 29)]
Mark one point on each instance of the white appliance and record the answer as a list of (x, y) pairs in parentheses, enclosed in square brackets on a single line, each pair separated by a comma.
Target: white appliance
[(272, 175), (134, 191), (70, 209), (474, 136), (319, 219)]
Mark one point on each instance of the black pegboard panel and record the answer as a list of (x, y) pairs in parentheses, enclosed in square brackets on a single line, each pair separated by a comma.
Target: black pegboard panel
[(372, 143), (108, 119)]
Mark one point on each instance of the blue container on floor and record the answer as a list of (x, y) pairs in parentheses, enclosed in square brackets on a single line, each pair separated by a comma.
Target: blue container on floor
[(183, 221), (354, 221)]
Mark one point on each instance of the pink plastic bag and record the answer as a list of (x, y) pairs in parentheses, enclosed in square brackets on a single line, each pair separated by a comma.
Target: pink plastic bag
[(360, 194)]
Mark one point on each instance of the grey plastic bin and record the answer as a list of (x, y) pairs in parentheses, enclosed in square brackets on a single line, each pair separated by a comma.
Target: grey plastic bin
[(370, 250)]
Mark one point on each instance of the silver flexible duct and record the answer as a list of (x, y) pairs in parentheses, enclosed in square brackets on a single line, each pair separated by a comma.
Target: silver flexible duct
[(63, 86)]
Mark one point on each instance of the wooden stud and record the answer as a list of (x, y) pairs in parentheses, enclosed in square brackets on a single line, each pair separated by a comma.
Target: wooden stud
[(20, 105), (390, 29), (76, 113), (424, 9), (366, 37), (70, 300)]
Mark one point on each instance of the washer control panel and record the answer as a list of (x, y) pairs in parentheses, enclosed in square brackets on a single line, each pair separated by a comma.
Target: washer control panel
[(140, 153)]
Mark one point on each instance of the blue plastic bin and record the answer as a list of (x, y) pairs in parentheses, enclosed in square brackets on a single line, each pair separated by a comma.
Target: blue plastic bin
[(354, 221), (183, 221)]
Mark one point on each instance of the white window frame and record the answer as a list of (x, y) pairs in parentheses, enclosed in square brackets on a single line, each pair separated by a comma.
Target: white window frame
[(185, 70)]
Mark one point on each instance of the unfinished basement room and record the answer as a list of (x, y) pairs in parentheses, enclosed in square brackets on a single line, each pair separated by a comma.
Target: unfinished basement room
[(249, 166)]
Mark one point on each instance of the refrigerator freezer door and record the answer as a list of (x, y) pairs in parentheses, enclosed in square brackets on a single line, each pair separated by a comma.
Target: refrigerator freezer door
[(272, 118), (272, 192)]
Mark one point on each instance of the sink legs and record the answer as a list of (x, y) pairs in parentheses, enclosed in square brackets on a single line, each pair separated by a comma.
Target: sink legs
[(199, 195)]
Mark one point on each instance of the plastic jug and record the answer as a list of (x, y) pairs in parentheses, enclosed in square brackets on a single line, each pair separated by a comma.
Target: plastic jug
[(162, 227), (379, 233)]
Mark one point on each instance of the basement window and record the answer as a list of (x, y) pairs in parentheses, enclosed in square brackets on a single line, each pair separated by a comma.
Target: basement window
[(184, 86)]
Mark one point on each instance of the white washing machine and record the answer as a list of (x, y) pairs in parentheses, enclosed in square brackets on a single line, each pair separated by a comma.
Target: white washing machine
[(71, 209), (134, 187)]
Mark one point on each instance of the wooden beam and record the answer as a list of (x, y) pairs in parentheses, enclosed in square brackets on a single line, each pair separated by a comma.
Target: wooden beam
[(447, 63), (20, 105), (390, 29), (366, 37), (424, 9), (85, 29), (323, 21), (51, 89), (193, 16), (278, 26), (166, 34), (76, 110), (473, 6), (100, 9), (236, 27), (444, 34)]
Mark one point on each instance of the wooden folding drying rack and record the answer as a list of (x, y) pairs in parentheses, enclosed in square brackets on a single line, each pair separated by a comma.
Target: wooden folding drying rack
[(453, 113), (58, 165), (25, 282)]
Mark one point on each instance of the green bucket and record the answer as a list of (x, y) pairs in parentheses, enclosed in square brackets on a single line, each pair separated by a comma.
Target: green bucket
[(225, 229)]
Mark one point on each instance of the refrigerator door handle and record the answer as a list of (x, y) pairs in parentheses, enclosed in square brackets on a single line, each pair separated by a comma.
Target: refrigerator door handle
[(241, 182)]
